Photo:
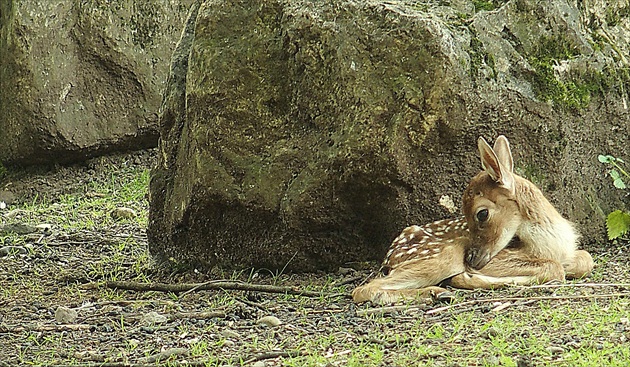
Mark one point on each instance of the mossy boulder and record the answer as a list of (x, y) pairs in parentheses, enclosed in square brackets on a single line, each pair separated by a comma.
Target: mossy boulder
[(302, 135), (82, 78)]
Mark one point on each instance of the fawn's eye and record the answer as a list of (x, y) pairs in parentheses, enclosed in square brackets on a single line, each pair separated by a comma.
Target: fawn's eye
[(482, 215)]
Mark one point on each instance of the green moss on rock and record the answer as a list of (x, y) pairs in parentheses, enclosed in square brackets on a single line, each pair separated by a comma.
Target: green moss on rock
[(573, 90)]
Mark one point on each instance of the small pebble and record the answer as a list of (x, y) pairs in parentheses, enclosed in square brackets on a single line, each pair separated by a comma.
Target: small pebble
[(147, 329), (491, 332), (230, 334), (573, 344), (345, 271), (260, 364), (162, 356), (123, 213), (65, 315), (12, 250), (18, 228), (14, 213), (153, 318), (270, 321), (555, 350), (492, 361), (7, 198), (44, 227)]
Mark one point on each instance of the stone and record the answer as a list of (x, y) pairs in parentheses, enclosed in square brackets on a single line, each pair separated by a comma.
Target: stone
[(152, 318), (18, 228), (270, 321), (304, 135), (123, 213), (44, 227), (7, 197), (164, 355), (227, 333), (555, 350), (65, 315), (12, 250), (90, 87)]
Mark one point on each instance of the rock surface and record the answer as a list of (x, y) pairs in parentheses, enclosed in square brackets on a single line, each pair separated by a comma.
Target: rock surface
[(82, 78), (302, 135)]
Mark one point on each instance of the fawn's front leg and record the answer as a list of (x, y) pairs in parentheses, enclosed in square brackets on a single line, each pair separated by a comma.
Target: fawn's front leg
[(510, 266)]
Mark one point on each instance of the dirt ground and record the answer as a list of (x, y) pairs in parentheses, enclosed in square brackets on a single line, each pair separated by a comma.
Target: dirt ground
[(57, 307)]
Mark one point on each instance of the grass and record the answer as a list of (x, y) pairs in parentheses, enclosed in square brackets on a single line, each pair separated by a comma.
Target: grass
[(545, 335), (87, 246)]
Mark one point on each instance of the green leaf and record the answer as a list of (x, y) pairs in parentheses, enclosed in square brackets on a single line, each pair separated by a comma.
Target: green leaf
[(604, 158), (614, 174), (618, 182), (618, 224)]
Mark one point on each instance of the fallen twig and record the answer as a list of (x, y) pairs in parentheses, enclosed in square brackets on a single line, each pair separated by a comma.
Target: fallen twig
[(124, 364), (196, 315), (165, 355), (257, 357), (517, 299), (214, 285), (502, 306), (348, 281), (388, 309), (575, 285), (275, 354), (18, 329)]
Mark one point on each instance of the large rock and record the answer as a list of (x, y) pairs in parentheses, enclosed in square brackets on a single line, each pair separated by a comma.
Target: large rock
[(82, 78), (301, 135)]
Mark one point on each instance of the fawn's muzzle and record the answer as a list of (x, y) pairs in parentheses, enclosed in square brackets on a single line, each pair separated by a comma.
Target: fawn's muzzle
[(477, 258)]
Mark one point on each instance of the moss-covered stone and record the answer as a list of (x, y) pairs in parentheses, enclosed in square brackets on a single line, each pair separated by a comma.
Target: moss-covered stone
[(82, 78), (301, 135)]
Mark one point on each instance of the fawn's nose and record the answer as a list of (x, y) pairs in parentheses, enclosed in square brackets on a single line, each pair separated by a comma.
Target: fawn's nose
[(477, 258)]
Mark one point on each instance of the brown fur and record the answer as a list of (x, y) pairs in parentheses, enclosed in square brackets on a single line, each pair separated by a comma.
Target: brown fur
[(474, 253)]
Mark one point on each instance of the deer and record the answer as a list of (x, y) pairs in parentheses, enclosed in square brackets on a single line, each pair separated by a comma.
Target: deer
[(509, 234)]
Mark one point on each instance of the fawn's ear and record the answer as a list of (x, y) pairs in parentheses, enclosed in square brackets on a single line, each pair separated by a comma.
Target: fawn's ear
[(495, 167), (503, 152)]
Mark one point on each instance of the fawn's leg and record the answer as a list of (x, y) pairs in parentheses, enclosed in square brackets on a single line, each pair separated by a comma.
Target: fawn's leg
[(510, 266), (581, 266), (416, 278)]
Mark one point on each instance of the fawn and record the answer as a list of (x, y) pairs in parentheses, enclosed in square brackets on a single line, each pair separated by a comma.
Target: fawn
[(509, 234)]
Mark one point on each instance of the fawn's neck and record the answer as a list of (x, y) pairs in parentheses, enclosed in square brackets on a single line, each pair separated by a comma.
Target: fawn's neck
[(543, 231)]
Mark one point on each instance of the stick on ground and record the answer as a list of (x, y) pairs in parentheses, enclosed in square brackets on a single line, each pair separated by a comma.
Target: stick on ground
[(216, 285)]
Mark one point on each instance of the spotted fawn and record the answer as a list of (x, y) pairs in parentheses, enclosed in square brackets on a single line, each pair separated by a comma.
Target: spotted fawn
[(509, 234)]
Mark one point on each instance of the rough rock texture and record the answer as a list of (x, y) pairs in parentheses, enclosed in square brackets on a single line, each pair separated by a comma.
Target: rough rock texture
[(82, 78), (301, 135)]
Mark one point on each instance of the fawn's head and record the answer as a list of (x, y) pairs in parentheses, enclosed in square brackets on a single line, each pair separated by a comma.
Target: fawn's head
[(489, 203)]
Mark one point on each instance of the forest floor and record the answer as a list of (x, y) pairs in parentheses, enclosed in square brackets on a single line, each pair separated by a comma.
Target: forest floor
[(65, 248)]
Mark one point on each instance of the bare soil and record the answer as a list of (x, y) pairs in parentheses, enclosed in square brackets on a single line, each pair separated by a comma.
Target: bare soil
[(66, 267)]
